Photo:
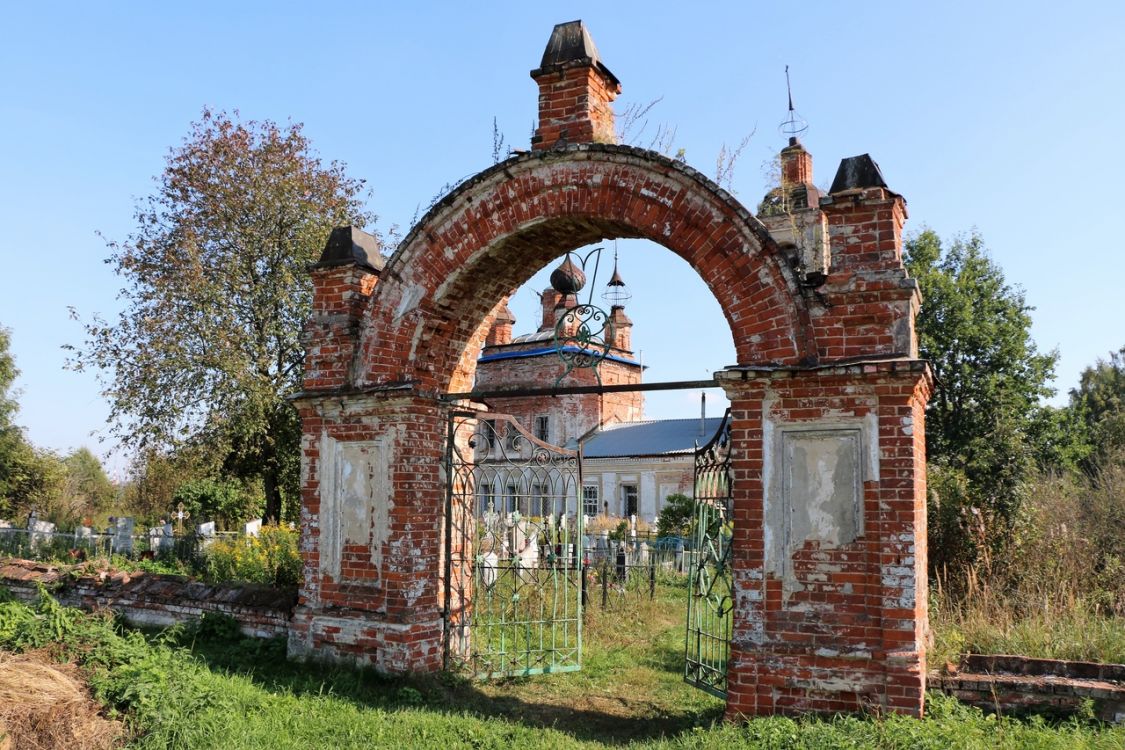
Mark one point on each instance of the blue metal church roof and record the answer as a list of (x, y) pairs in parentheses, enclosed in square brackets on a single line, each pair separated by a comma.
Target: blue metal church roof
[(656, 438)]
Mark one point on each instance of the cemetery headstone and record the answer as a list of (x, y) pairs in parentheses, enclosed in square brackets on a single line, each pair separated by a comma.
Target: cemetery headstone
[(489, 562), (206, 533), (154, 535), (40, 531), (122, 532), (529, 552)]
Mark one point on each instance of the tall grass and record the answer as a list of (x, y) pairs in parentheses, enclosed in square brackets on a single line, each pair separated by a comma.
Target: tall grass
[(1057, 590)]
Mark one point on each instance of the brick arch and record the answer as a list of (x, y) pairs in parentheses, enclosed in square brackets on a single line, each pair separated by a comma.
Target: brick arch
[(438, 292), (830, 619)]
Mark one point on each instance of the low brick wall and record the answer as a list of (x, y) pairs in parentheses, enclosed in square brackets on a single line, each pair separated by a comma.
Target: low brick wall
[(1019, 684), (149, 599)]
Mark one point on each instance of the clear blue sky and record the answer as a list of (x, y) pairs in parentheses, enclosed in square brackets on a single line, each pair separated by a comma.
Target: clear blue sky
[(1004, 116)]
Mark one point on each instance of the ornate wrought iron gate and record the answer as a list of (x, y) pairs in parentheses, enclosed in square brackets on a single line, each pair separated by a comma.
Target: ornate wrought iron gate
[(513, 550), (710, 595)]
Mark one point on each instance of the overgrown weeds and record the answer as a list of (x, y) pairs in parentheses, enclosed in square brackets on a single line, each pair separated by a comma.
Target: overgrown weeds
[(273, 556), (1055, 587)]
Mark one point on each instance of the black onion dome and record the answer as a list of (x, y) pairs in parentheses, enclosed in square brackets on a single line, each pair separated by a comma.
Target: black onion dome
[(568, 278)]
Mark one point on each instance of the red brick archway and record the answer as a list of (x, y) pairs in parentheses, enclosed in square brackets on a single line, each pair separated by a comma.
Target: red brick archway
[(827, 400), (488, 236)]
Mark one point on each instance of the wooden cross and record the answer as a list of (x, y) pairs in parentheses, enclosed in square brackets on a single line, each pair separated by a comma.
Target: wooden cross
[(181, 514)]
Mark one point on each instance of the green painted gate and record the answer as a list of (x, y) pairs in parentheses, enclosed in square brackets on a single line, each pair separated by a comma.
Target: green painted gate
[(710, 589), (513, 550)]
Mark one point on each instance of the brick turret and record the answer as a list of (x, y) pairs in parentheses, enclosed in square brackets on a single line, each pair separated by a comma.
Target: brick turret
[(551, 302), (501, 331), (575, 91), (622, 329), (797, 176), (865, 220), (791, 212), (343, 279), (866, 217)]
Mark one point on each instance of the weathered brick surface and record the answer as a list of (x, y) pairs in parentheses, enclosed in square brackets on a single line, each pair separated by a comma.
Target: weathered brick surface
[(574, 106), (339, 295), (1018, 684), (851, 633), (492, 233), (155, 600), (854, 635), (394, 610)]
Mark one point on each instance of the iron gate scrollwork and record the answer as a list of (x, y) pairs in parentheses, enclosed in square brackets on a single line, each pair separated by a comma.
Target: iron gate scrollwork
[(513, 550), (710, 592)]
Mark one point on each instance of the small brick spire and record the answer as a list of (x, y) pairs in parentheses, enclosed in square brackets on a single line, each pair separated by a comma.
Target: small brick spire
[(501, 331), (343, 280), (575, 91), (797, 176), (621, 329), (550, 300)]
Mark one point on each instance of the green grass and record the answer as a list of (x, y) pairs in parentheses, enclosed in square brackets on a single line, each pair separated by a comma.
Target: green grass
[(1058, 632), (206, 687)]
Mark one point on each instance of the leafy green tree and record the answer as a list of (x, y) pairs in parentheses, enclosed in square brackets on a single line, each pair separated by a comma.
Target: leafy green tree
[(11, 437), (1060, 439), (28, 478), (36, 482), (676, 516), (223, 500), (1099, 401), (154, 478), (985, 413), (87, 487), (216, 293), (8, 375)]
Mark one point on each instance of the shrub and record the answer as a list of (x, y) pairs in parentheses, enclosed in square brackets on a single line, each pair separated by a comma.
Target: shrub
[(676, 516), (224, 500), (215, 626), (271, 557), (1056, 591)]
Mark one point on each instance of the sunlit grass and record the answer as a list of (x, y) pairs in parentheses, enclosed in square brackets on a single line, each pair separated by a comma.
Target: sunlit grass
[(205, 687)]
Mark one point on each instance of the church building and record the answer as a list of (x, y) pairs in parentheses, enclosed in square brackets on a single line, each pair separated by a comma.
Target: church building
[(630, 465)]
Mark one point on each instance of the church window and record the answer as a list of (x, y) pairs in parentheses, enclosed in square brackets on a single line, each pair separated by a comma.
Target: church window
[(488, 430), (542, 501), (590, 499), (629, 499), (486, 498)]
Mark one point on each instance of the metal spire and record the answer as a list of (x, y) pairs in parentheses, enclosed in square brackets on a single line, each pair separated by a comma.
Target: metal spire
[(616, 293), (794, 125)]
